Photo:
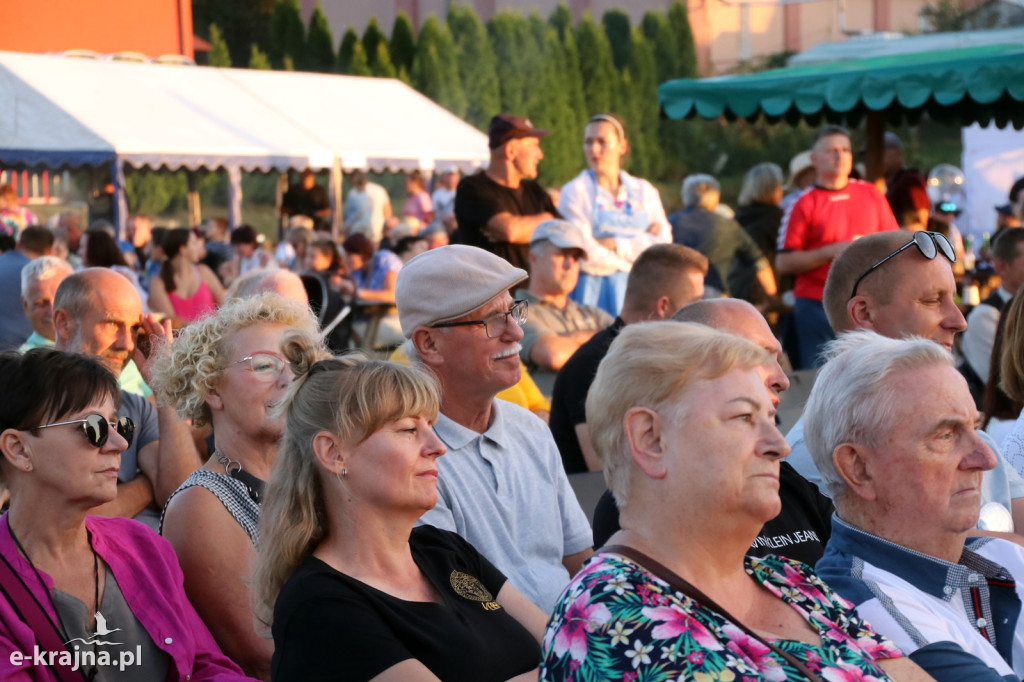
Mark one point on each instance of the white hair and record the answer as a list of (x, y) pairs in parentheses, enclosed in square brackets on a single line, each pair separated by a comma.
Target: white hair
[(698, 188), (42, 268), (852, 402)]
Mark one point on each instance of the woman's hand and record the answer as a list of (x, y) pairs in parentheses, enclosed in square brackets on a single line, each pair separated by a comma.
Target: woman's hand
[(654, 228)]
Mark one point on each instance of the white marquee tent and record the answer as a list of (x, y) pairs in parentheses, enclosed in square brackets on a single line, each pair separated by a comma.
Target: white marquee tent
[(62, 112)]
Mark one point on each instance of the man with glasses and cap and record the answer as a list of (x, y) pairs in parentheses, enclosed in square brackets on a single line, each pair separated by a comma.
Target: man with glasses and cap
[(98, 312), (557, 325), (900, 284), (501, 486), (498, 208)]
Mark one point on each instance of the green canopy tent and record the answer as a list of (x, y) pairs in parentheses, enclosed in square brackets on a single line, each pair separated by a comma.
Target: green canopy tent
[(967, 85)]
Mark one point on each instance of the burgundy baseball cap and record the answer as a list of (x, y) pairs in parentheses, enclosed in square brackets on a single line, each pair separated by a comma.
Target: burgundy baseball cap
[(505, 127)]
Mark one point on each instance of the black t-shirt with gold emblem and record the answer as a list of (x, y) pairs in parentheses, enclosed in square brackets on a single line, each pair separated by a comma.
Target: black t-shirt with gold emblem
[(329, 626)]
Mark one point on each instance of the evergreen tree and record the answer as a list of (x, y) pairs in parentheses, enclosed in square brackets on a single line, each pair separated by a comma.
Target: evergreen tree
[(219, 54), (242, 23), (258, 59), (658, 34), (561, 19), (617, 28), (476, 64), (320, 43), (596, 67), (549, 108), (403, 43), (517, 60), (679, 22), (647, 152), (372, 37), (346, 50), (435, 70), (287, 34), (382, 66), (359, 65)]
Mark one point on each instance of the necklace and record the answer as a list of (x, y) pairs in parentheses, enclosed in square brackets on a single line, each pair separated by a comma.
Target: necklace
[(233, 468), (89, 676)]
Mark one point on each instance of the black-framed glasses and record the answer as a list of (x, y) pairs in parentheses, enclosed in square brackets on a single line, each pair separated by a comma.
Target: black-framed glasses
[(496, 324), (264, 364), (930, 244), (97, 428)]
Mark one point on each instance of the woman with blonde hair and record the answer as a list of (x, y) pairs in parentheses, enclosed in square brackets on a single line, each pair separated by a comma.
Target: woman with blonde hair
[(620, 215), (230, 370), (684, 425), (350, 589)]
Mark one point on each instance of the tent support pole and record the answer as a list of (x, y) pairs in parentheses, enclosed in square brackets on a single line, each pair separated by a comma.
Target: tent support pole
[(334, 192), (120, 199), (874, 135), (234, 196), (195, 211)]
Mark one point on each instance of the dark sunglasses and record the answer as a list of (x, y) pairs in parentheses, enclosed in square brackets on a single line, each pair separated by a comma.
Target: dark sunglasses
[(97, 428), (928, 243)]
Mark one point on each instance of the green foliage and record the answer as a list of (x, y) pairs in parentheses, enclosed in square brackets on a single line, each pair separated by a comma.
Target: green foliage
[(382, 66), (642, 89), (550, 108), (617, 28), (476, 64), (372, 37), (155, 192), (596, 67), (958, 15), (320, 43), (403, 43), (561, 19), (258, 59), (346, 50), (359, 65), (679, 23), (435, 69), (219, 53), (518, 60), (242, 23), (287, 34)]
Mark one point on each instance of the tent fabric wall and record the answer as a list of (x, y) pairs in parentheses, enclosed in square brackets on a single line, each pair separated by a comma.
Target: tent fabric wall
[(57, 112)]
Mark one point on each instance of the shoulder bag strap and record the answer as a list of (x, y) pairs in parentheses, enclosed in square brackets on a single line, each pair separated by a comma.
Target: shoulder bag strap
[(679, 584), (34, 615)]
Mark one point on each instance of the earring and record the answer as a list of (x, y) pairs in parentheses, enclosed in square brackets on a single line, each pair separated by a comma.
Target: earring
[(344, 471), (28, 466)]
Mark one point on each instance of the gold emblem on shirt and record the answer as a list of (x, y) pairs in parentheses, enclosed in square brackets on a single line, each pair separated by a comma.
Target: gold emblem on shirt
[(468, 587)]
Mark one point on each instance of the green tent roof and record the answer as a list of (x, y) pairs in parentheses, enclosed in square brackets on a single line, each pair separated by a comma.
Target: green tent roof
[(965, 85)]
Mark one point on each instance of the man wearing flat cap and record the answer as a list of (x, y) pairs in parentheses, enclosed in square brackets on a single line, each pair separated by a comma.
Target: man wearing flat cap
[(501, 486), (497, 209), (557, 326)]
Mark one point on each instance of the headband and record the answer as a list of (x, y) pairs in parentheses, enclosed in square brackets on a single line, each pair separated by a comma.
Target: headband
[(609, 119)]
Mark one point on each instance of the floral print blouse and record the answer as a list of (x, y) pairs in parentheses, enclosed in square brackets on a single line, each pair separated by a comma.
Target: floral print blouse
[(616, 621)]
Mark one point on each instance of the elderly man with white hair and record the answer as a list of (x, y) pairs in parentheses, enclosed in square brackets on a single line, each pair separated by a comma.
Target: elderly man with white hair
[(890, 424), (727, 246), (501, 486)]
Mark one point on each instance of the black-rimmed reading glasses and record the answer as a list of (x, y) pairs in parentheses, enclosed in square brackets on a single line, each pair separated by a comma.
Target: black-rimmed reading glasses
[(496, 324)]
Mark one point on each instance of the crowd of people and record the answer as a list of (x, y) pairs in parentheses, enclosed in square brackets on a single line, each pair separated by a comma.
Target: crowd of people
[(353, 457)]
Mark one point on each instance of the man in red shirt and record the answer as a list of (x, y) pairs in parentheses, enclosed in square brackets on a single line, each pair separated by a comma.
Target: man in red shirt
[(819, 226)]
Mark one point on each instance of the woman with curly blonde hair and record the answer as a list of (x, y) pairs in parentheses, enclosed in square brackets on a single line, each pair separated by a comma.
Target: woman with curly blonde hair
[(230, 370), (350, 589)]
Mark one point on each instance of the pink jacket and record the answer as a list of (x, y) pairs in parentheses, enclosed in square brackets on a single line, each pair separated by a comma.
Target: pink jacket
[(147, 571)]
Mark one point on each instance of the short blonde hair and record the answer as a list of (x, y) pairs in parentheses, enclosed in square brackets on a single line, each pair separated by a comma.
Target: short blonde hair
[(652, 364), (187, 375), (352, 397)]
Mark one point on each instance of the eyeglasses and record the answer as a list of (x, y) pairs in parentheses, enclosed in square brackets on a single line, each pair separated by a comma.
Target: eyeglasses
[(97, 428), (264, 364), (928, 243), (496, 324)]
